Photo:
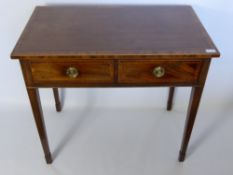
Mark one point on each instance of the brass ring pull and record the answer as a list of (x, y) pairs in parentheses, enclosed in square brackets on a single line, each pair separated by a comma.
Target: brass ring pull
[(159, 72), (72, 72)]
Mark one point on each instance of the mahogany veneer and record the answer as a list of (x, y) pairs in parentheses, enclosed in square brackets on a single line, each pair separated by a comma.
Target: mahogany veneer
[(114, 46)]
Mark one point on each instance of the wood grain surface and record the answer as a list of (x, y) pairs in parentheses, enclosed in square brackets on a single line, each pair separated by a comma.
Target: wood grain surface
[(89, 72), (114, 46), (113, 31), (142, 71)]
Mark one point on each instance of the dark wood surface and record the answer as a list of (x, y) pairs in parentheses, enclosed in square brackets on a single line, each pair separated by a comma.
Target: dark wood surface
[(112, 73), (170, 98), (141, 71), (57, 99), (114, 46), (103, 31), (90, 71), (191, 116), (194, 102), (34, 98)]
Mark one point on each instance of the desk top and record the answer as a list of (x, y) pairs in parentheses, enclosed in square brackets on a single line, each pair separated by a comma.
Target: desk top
[(112, 31)]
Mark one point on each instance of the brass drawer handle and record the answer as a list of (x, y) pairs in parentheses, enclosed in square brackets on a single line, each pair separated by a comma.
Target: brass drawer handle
[(159, 72), (72, 72)]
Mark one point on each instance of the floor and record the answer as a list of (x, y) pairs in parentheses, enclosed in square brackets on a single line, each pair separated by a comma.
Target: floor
[(115, 141)]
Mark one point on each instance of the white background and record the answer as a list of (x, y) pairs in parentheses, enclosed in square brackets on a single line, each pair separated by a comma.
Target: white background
[(17, 127)]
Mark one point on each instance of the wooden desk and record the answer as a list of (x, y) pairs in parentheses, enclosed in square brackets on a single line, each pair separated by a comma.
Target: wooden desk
[(114, 46)]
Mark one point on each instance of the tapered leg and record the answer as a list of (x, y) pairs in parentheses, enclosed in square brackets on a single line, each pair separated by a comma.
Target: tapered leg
[(191, 115), (57, 100), (170, 98), (39, 120)]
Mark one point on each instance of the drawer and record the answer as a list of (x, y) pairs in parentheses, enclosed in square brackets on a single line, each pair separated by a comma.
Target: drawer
[(80, 72), (149, 72)]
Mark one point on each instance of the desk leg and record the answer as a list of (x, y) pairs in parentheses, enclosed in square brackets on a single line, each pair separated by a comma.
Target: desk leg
[(38, 116), (191, 115), (170, 98), (57, 100)]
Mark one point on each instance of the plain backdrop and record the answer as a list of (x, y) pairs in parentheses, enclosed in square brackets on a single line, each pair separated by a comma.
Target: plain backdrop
[(17, 129)]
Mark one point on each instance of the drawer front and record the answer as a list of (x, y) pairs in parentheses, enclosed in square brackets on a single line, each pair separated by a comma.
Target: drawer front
[(149, 72), (80, 72)]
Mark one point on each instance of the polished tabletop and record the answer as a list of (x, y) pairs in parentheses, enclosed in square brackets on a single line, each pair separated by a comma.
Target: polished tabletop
[(115, 30)]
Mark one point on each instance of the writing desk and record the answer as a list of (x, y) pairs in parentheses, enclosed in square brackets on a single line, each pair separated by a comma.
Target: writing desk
[(114, 46)]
